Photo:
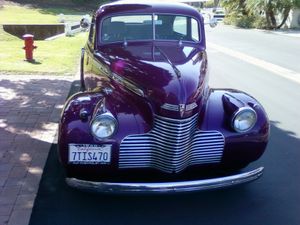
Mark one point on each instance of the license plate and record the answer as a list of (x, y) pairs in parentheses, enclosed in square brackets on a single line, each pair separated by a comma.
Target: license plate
[(89, 154)]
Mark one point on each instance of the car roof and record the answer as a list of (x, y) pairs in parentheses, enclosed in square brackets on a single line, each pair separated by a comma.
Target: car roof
[(129, 6)]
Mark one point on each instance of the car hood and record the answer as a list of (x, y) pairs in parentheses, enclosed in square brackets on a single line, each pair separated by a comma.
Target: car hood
[(170, 76)]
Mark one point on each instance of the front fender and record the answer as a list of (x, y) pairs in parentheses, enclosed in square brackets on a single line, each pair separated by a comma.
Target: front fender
[(240, 148), (133, 117)]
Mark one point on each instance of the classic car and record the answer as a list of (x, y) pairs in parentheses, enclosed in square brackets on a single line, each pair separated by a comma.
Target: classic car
[(146, 120)]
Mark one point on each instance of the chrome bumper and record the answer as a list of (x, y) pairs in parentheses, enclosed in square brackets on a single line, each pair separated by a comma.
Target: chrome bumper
[(166, 187)]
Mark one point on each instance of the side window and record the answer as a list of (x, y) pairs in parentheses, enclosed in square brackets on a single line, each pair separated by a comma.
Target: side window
[(195, 30), (180, 25)]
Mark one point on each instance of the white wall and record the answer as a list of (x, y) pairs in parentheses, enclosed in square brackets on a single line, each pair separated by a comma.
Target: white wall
[(293, 20)]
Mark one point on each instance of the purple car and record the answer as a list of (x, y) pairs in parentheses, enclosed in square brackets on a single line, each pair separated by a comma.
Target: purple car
[(146, 120)]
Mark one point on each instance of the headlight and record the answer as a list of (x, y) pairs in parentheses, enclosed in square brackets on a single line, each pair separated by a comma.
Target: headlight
[(244, 119), (104, 126)]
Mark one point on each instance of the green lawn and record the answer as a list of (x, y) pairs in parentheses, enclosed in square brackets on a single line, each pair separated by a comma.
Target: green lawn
[(57, 57), (17, 14), (14, 14)]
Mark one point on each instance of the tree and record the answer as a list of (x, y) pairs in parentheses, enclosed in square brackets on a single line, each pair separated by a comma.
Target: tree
[(234, 6), (237, 14), (272, 8), (269, 8)]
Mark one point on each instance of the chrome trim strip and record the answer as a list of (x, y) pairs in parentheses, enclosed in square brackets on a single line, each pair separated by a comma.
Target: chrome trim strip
[(166, 187), (170, 107), (127, 84), (191, 106), (176, 108)]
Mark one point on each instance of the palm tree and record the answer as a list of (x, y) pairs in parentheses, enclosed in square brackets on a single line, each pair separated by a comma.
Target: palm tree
[(271, 8)]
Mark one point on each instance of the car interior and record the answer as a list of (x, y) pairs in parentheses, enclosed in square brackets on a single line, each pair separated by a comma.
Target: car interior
[(167, 27)]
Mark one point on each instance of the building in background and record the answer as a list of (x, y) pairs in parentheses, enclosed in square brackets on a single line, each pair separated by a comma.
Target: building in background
[(293, 20)]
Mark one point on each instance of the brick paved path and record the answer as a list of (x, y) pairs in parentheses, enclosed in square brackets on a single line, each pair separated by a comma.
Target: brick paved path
[(30, 107)]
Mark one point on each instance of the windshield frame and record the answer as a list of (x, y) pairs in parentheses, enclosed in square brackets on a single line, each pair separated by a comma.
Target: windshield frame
[(100, 27)]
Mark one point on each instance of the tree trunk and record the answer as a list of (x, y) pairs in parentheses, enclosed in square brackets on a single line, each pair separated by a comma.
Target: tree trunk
[(273, 19), (268, 18), (285, 13), (242, 7)]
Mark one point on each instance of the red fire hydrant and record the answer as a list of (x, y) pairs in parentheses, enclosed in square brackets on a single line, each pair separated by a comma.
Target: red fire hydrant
[(29, 47)]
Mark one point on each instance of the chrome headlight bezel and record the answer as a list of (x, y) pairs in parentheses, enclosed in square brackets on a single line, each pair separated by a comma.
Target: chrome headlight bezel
[(96, 122), (241, 112)]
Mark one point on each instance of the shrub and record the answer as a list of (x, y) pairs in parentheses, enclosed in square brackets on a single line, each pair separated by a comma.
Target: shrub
[(239, 20), (244, 22), (228, 20), (260, 23)]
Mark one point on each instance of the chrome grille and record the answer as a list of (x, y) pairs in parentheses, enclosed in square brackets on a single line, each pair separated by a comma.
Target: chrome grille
[(171, 146)]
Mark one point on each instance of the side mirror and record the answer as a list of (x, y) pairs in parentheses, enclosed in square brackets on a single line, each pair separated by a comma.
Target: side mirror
[(213, 22), (84, 23)]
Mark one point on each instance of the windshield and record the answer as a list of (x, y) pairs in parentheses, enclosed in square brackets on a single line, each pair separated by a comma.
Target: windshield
[(148, 27)]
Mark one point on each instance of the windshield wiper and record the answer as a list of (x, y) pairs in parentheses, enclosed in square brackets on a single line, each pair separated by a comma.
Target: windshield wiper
[(176, 70)]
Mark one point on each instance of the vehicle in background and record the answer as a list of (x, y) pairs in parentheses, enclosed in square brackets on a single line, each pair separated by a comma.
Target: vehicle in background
[(219, 14)]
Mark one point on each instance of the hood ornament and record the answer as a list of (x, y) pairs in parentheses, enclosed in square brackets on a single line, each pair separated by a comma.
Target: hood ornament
[(181, 108)]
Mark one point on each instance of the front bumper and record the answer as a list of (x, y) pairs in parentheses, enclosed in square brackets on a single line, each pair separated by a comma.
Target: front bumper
[(166, 187)]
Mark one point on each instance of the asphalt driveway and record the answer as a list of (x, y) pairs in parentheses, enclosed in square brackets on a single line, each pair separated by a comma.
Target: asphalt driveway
[(269, 200)]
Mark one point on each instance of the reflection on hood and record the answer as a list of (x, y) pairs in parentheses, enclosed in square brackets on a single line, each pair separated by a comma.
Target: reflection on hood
[(153, 69)]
